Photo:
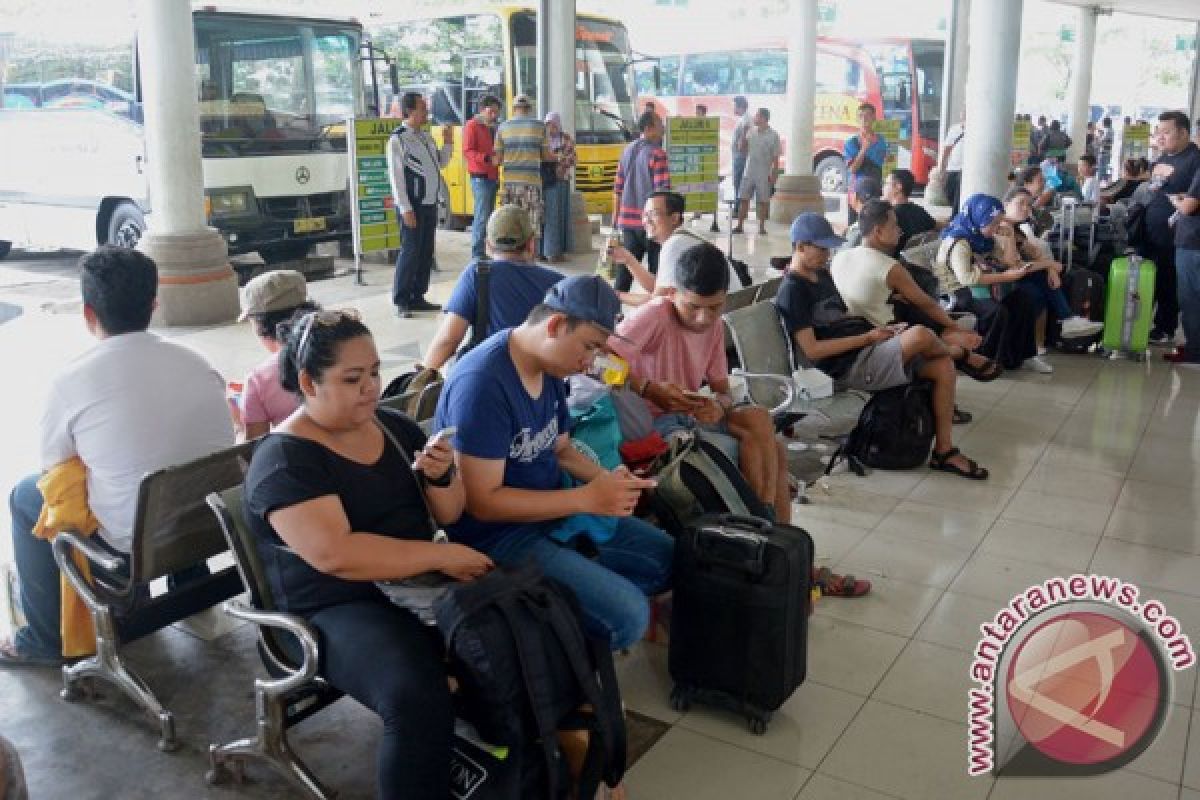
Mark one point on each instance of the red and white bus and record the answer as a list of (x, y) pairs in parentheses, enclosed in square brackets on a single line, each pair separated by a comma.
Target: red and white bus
[(901, 77)]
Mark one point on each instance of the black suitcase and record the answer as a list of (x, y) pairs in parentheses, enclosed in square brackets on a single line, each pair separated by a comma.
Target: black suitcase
[(1085, 294), (739, 623)]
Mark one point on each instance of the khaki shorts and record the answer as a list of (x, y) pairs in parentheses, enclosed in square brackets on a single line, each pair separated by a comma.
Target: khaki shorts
[(878, 367), (756, 187), (527, 197)]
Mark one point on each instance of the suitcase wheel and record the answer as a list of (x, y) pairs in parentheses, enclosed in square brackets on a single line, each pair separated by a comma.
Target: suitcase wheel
[(758, 721), (681, 698)]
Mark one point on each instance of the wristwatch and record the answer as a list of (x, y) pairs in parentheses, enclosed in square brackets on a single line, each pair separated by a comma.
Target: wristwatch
[(444, 481)]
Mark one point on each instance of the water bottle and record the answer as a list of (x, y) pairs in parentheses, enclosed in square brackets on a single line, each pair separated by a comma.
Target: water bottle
[(605, 266)]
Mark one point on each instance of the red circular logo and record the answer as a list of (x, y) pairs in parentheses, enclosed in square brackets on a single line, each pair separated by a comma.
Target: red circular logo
[(1084, 688)]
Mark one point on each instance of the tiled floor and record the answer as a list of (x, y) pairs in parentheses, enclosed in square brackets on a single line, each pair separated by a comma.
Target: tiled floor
[(1094, 468)]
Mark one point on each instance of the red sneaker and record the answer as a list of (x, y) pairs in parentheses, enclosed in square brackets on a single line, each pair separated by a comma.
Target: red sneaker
[(1179, 356)]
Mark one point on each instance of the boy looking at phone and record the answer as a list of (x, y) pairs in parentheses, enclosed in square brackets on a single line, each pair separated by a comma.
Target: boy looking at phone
[(674, 345)]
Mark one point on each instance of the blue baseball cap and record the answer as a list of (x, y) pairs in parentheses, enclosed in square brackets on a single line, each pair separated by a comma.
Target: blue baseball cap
[(588, 298), (812, 228)]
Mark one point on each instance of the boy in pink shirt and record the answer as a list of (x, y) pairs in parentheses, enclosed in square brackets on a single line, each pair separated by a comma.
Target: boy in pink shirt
[(270, 300), (676, 345)]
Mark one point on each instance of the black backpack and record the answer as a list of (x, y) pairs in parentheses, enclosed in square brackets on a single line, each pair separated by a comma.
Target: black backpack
[(525, 668), (695, 477), (1085, 294), (894, 430)]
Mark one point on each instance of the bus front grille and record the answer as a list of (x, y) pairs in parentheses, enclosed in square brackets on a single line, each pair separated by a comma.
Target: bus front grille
[(323, 204), (595, 177)]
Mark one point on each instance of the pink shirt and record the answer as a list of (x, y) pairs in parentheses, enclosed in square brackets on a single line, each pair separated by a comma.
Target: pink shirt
[(666, 352), (263, 398)]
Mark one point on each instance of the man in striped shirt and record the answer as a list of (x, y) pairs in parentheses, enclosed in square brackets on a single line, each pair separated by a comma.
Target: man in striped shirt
[(520, 149), (642, 171)]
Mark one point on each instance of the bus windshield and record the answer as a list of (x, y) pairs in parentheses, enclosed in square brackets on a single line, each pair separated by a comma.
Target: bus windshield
[(929, 58), (268, 85), (603, 78)]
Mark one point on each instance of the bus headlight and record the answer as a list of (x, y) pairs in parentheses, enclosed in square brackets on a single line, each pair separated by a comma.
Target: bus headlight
[(228, 202)]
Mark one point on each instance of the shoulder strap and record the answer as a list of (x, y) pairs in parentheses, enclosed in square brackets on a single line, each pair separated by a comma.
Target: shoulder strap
[(407, 458), (483, 310)]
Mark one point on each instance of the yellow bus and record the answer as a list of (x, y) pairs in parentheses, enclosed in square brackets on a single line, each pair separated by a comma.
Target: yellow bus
[(455, 59)]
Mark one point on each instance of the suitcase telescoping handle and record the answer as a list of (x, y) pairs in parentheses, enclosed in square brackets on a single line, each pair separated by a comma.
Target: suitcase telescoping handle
[(743, 552), (757, 524)]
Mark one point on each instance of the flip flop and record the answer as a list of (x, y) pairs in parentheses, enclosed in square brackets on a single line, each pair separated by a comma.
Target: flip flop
[(988, 372), (834, 585), (962, 417), (941, 462)]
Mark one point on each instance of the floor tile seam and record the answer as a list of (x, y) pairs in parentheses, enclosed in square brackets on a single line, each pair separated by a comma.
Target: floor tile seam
[(1171, 550), (743, 748), (851, 783)]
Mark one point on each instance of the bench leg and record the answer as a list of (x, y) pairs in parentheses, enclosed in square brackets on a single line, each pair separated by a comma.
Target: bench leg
[(270, 745), (107, 665)]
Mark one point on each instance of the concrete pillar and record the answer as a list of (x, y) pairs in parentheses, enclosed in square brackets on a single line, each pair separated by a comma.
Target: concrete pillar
[(991, 95), (196, 284), (1194, 89), (954, 74), (1080, 90), (560, 62), (798, 189)]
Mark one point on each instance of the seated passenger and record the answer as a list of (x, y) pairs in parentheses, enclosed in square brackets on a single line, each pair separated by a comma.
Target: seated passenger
[(869, 358), (132, 404), (912, 218), (663, 218), (270, 300), (1033, 180), (335, 505), (1090, 190), (968, 270), (1134, 172), (1044, 279), (675, 345), (515, 285), (873, 284), (866, 190), (508, 402)]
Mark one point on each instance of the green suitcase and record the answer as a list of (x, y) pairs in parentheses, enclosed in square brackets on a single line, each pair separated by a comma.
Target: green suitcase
[(1130, 306)]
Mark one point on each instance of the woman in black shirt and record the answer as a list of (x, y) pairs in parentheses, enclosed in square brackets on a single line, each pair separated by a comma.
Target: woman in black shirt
[(336, 506)]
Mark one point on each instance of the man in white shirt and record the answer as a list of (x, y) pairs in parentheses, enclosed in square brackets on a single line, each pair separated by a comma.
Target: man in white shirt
[(952, 161), (1088, 179), (134, 403), (663, 218)]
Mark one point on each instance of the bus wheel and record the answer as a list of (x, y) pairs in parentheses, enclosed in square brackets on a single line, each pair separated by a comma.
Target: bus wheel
[(5, 247), (284, 251), (126, 225), (831, 172)]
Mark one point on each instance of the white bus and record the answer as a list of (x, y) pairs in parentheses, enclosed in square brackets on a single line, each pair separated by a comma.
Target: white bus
[(274, 92)]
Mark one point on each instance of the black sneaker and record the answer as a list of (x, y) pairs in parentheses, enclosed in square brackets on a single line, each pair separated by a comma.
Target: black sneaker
[(421, 304), (1161, 338), (403, 311)]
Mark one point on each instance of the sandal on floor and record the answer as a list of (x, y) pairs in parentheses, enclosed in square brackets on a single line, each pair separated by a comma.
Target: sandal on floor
[(834, 585), (988, 372), (962, 417), (942, 463), (10, 656)]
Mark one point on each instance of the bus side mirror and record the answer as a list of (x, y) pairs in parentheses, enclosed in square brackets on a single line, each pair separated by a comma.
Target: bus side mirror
[(657, 79), (394, 77)]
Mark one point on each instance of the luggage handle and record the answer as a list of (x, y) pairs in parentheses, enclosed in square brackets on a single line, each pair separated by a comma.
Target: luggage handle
[(758, 524), (712, 542)]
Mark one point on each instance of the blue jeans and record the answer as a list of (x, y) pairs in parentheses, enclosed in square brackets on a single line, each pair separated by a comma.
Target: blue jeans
[(612, 589), (415, 260), (558, 211), (739, 169), (1187, 269), (484, 192), (1037, 285)]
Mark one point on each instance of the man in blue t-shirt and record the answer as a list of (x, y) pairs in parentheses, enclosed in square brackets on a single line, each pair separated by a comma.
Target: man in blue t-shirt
[(507, 400), (514, 286), (865, 153)]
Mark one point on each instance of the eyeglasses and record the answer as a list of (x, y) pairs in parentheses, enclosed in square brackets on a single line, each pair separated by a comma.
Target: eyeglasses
[(326, 319), (651, 213)]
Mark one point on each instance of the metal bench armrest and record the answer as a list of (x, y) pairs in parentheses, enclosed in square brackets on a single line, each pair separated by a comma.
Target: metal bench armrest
[(290, 623), (61, 547), (789, 388)]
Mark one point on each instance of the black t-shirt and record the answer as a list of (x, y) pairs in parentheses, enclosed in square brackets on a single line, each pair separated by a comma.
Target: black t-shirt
[(380, 498), (1186, 163), (912, 220), (1187, 227), (816, 304)]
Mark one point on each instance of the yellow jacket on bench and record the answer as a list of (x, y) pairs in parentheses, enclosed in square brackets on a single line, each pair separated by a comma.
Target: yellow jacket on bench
[(65, 508)]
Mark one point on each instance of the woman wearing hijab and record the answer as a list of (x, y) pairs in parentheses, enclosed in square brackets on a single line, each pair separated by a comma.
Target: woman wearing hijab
[(965, 268), (556, 189)]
